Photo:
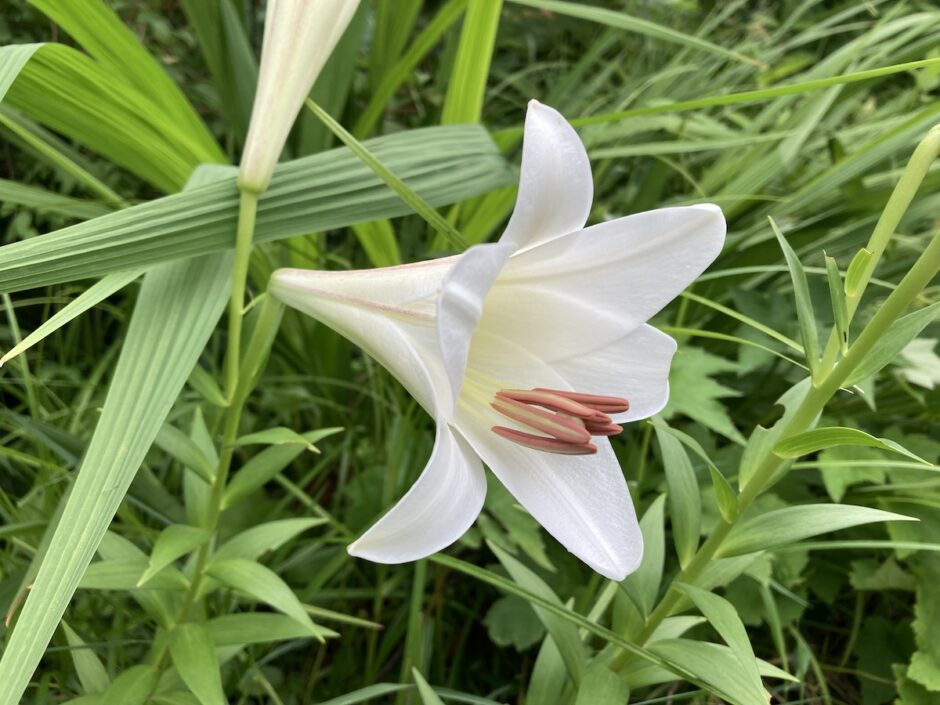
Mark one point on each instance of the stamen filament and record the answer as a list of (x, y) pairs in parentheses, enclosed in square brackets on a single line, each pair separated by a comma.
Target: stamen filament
[(564, 428), (552, 445)]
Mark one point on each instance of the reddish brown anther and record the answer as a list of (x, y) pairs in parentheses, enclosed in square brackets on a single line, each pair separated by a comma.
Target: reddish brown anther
[(568, 419)]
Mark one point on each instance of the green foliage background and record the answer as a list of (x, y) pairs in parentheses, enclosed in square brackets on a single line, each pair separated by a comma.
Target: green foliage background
[(854, 617)]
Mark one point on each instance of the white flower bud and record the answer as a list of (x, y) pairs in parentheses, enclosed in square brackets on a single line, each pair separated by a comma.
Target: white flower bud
[(299, 36)]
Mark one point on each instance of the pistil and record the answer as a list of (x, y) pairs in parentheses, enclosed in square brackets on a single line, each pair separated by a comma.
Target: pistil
[(566, 420)]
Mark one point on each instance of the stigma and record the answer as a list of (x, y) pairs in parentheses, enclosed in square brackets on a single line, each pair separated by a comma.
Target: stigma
[(563, 422)]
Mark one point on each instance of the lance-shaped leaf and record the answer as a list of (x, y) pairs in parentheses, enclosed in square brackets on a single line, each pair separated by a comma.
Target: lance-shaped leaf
[(325, 191)]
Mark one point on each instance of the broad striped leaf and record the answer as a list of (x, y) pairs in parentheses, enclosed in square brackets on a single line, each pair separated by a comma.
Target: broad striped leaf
[(328, 190)]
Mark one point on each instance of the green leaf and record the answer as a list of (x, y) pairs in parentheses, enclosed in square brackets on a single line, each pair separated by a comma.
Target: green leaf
[(643, 585), (368, 693), (322, 192), (262, 468), (855, 274), (390, 179), (804, 303), (685, 509), (893, 341), (165, 338), (692, 371), (85, 100), (126, 573), (182, 448), (89, 298), (564, 634), (601, 686), (260, 628), (466, 88), (718, 667), (252, 543), (205, 384), (629, 23), (281, 435), (790, 524), (264, 585), (427, 694), (229, 57), (821, 438), (195, 659), (377, 238), (723, 616), (91, 672), (172, 543), (840, 309), (132, 687), (510, 621)]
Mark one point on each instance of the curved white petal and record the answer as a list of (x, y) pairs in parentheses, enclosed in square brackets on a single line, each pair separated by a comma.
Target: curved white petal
[(592, 287), (436, 511), (460, 305), (387, 312), (581, 500), (555, 184), (635, 367)]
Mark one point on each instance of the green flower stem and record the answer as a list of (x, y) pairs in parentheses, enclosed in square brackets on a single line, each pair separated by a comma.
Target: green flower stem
[(237, 389), (248, 207), (907, 186), (918, 277)]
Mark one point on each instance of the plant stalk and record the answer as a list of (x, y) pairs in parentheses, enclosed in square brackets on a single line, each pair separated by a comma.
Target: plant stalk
[(918, 277)]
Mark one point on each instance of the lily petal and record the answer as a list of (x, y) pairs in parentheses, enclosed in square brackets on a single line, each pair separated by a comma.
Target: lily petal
[(460, 305), (436, 511), (555, 184), (581, 500), (602, 282), (387, 312), (635, 367)]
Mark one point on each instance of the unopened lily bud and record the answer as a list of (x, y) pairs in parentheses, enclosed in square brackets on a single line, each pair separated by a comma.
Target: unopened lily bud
[(299, 36)]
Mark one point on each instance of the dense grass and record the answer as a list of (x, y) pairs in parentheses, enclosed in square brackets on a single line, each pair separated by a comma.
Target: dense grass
[(854, 622)]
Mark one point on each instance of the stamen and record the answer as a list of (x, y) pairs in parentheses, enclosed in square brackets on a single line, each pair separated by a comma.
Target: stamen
[(564, 428), (603, 429), (568, 419), (598, 402), (548, 400), (552, 445)]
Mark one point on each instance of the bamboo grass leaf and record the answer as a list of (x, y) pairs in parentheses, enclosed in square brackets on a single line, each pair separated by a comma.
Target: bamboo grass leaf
[(167, 334), (328, 190)]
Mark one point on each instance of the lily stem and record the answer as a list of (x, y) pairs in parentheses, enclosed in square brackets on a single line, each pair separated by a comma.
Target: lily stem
[(235, 394), (925, 268), (923, 157)]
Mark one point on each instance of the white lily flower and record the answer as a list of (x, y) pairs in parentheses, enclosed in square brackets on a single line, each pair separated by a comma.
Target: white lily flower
[(525, 351), (299, 36)]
